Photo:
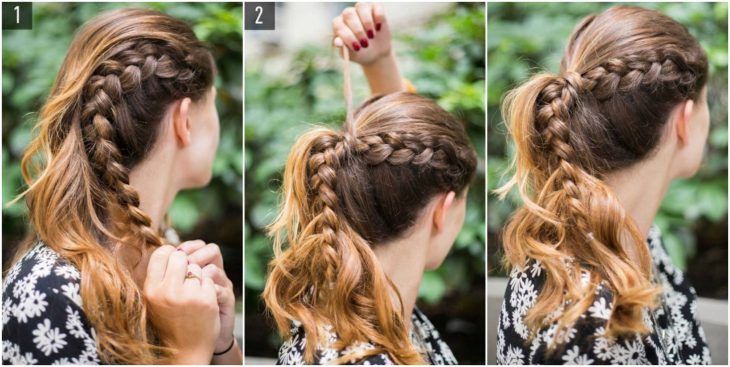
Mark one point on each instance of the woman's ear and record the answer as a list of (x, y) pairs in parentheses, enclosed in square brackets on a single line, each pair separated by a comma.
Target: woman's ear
[(440, 213), (684, 118), (181, 121)]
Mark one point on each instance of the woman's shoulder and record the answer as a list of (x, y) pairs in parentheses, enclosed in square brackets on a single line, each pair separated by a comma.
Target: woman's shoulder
[(43, 319), (518, 344), (436, 348), (292, 350), (42, 270)]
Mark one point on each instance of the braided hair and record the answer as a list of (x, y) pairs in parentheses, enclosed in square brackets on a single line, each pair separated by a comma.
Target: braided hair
[(345, 192), (123, 70), (622, 73)]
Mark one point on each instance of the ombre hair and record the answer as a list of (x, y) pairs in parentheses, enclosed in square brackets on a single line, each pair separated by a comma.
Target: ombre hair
[(345, 192), (622, 73), (122, 71)]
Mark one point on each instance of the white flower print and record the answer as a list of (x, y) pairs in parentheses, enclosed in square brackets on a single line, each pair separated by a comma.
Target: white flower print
[(600, 309), (42, 269), (8, 310), (68, 272), (32, 333), (423, 335), (31, 306), (574, 357), (48, 340), (535, 269), (71, 290), (24, 285), (694, 359), (631, 352), (62, 361), (514, 356), (675, 335), (73, 323), (602, 349), (11, 351)]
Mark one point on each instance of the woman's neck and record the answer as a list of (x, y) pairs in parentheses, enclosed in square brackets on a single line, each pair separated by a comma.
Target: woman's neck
[(404, 262), (641, 189), (154, 180)]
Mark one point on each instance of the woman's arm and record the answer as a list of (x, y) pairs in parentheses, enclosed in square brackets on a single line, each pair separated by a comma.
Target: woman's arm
[(364, 30)]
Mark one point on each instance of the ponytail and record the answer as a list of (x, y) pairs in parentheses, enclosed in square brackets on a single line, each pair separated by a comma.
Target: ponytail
[(569, 213), (622, 73), (329, 274)]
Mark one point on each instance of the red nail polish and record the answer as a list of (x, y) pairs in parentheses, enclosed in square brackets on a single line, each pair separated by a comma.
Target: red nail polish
[(377, 26), (356, 46), (364, 43), (371, 35)]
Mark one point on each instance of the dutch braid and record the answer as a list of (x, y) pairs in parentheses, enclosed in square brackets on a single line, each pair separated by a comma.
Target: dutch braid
[(345, 192), (605, 111), (121, 73), (123, 78)]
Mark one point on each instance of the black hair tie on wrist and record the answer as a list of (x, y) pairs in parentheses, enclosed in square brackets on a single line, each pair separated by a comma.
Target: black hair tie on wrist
[(227, 349)]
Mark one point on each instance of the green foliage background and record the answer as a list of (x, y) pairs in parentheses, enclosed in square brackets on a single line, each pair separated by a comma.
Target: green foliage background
[(31, 59), (526, 37), (444, 59)]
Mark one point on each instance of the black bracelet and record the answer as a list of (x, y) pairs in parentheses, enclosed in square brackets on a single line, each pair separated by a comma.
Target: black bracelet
[(227, 349)]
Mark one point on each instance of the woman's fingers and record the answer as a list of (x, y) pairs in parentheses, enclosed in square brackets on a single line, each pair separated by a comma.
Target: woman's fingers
[(193, 276), (208, 254), (338, 42), (378, 16), (365, 13), (218, 275), (177, 266), (207, 290), (158, 264), (342, 31), (191, 246), (225, 297), (352, 21)]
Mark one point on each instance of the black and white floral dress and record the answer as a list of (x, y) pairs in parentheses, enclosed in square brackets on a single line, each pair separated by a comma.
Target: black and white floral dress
[(676, 336), (423, 335), (43, 320)]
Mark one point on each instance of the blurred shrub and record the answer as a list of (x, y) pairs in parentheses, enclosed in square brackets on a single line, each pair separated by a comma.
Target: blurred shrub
[(444, 60), (31, 60), (524, 38)]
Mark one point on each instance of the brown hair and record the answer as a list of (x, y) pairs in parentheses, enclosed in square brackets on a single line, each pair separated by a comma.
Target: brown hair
[(622, 73), (346, 191), (122, 71)]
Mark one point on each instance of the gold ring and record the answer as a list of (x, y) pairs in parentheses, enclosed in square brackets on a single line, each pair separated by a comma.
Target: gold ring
[(190, 275)]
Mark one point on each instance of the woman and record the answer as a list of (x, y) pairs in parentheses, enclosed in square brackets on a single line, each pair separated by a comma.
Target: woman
[(129, 122), (365, 212), (597, 146)]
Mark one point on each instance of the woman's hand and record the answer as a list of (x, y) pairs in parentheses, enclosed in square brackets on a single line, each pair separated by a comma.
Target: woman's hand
[(210, 259), (183, 305), (365, 31)]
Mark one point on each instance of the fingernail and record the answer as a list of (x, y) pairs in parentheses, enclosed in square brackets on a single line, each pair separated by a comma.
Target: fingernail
[(371, 35), (356, 46), (377, 26), (364, 43)]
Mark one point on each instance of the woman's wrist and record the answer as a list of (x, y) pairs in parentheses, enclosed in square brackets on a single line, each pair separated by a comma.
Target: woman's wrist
[(383, 75), (225, 346), (191, 357), (231, 356)]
